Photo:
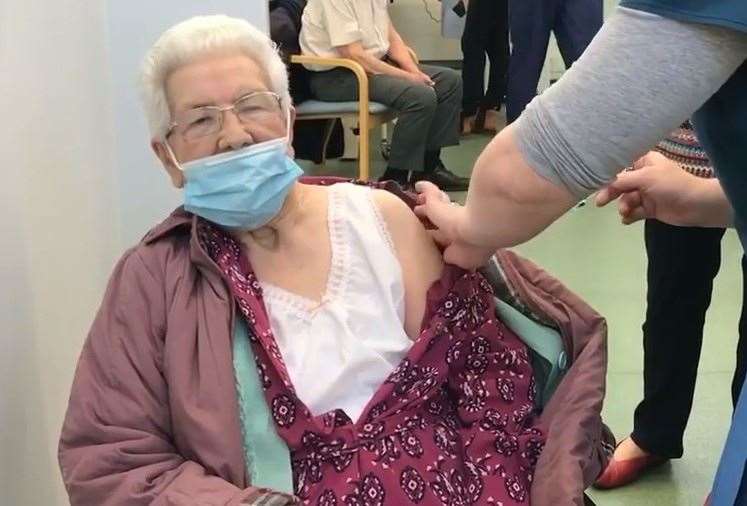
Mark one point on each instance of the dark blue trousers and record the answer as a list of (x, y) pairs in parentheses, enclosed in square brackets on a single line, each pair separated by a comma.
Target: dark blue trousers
[(485, 32), (574, 22)]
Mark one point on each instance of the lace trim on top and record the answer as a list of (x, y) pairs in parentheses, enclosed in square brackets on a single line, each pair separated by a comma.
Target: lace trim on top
[(381, 224), (337, 279)]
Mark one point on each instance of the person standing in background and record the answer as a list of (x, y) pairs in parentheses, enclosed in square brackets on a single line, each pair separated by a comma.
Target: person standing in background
[(485, 32), (682, 263), (574, 23)]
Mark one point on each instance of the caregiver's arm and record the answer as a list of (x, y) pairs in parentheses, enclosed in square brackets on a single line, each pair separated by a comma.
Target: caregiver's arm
[(640, 77)]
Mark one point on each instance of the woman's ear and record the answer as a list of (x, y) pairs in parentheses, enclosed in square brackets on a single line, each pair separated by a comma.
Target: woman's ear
[(166, 156)]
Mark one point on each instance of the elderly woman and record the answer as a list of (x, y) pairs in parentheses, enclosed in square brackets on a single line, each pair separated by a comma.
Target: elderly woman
[(274, 340)]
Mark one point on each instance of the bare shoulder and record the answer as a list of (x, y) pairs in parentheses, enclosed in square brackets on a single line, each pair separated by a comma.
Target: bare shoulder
[(420, 259), (397, 214), (411, 240), (391, 206)]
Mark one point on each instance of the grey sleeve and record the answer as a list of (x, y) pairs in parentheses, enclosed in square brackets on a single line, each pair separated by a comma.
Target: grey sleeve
[(641, 76)]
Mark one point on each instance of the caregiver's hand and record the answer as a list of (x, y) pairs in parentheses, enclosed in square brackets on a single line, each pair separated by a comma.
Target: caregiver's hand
[(657, 188), (449, 219)]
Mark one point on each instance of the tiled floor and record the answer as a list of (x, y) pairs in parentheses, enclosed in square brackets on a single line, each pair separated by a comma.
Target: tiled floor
[(604, 262)]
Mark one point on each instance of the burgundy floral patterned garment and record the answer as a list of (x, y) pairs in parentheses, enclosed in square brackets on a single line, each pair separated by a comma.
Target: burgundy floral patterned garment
[(452, 425)]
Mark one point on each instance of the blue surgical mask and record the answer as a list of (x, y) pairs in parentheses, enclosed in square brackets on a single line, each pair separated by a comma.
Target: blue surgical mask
[(242, 189)]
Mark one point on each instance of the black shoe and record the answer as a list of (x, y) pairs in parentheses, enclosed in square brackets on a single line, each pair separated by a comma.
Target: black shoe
[(400, 176), (445, 179)]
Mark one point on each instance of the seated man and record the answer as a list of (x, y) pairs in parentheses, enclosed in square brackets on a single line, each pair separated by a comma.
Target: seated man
[(274, 340), (427, 98)]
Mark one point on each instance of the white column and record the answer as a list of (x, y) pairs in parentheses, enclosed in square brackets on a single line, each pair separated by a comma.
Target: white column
[(59, 225)]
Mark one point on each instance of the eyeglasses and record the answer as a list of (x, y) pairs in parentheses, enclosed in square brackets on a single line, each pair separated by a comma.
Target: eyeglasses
[(259, 107)]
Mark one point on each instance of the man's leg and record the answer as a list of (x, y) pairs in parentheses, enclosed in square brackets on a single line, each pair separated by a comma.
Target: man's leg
[(530, 23), (682, 264), (415, 104), (495, 34), (444, 130), (473, 62)]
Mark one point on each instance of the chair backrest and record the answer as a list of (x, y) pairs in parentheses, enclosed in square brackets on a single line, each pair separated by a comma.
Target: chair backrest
[(546, 350)]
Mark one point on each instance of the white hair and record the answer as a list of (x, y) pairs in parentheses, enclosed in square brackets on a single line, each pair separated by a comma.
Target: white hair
[(194, 38)]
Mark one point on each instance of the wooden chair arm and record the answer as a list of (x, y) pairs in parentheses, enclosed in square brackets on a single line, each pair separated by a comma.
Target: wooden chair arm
[(363, 101), (349, 64)]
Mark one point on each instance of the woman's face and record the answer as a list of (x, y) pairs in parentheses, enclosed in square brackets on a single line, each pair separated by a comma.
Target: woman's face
[(215, 80)]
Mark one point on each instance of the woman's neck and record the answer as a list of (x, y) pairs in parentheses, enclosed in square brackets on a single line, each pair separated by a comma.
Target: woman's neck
[(290, 216)]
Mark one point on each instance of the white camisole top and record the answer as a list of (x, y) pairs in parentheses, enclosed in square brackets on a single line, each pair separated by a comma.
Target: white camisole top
[(338, 352)]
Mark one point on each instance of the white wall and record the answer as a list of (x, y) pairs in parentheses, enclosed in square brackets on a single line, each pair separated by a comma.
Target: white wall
[(58, 224), (77, 185), (422, 33)]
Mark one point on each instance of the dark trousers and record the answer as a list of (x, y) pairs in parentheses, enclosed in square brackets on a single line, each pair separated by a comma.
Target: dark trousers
[(682, 263), (427, 118), (574, 22), (485, 32)]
